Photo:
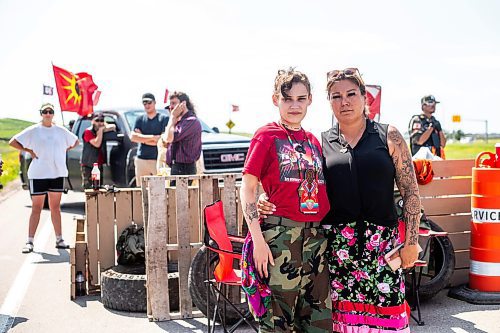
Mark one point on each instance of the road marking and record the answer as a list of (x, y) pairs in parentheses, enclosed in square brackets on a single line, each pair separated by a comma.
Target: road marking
[(17, 291), (459, 330)]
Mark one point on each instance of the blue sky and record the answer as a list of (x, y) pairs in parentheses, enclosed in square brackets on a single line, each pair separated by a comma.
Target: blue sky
[(228, 52)]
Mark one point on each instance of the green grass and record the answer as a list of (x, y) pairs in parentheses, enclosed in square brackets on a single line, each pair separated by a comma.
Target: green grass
[(9, 127), (458, 151), (10, 157)]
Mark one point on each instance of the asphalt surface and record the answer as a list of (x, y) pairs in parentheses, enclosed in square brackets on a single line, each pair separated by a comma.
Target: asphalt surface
[(35, 288)]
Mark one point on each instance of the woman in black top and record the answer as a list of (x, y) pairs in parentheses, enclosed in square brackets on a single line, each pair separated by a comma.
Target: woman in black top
[(362, 160)]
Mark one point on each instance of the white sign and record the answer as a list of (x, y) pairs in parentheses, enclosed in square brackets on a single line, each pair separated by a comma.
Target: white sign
[(485, 215)]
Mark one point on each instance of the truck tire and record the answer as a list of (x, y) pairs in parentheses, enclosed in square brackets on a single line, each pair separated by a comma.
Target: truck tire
[(441, 264), (198, 288), (123, 288)]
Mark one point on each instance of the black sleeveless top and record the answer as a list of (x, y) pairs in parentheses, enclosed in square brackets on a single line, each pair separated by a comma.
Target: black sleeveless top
[(361, 180)]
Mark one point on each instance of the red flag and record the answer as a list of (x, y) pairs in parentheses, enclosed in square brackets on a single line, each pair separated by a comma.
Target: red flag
[(165, 100), (236, 108), (373, 100), (75, 91), (87, 88)]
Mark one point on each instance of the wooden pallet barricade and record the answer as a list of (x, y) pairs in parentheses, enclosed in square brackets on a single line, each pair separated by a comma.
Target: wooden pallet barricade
[(107, 215), (447, 202), (174, 231)]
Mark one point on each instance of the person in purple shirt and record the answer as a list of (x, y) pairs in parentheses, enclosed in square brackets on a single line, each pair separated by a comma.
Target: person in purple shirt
[(182, 136)]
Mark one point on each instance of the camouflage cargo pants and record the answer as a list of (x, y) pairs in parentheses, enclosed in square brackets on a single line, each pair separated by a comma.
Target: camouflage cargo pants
[(300, 300)]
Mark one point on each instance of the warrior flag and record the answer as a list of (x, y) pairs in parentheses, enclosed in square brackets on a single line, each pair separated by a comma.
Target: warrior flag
[(373, 98), (75, 91)]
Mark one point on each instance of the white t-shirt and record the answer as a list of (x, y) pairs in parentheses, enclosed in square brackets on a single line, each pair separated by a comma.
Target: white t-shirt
[(50, 145)]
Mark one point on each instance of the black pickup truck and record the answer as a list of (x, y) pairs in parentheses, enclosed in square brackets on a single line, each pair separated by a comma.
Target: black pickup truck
[(221, 153)]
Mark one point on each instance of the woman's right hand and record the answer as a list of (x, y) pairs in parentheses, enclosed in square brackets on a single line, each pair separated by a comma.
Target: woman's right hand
[(262, 256), (264, 207), (32, 153)]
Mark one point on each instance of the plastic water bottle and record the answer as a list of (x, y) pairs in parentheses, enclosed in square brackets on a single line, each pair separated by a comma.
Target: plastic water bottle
[(96, 177), (80, 284)]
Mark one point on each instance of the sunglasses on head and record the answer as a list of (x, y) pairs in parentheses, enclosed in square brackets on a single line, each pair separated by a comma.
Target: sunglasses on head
[(47, 111), (147, 102), (337, 75)]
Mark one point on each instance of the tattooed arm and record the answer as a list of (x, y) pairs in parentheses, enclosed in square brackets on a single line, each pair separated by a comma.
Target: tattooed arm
[(407, 184), (262, 254)]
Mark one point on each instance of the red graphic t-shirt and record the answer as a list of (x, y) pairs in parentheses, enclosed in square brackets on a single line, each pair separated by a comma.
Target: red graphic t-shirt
[(274, 158)]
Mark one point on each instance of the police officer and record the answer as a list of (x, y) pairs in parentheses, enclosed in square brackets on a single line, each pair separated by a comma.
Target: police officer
[(425, 130)]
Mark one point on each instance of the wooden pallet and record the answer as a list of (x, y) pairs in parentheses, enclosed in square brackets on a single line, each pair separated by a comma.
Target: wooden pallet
[(174, 229)]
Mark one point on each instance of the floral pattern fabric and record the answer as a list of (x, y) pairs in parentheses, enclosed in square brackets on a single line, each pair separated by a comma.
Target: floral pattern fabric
[(367, 295)]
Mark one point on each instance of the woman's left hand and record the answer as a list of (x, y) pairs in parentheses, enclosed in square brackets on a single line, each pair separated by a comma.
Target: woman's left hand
[(409, 254)]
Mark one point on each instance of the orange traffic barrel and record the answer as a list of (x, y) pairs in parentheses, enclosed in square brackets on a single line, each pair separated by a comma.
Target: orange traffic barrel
[(485, 225)]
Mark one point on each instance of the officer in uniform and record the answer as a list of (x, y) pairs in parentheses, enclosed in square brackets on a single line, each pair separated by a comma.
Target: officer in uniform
[(425, 130)]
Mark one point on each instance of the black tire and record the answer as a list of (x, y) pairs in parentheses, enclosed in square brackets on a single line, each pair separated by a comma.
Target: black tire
[(198, 288), (123, 288), (441, 264)]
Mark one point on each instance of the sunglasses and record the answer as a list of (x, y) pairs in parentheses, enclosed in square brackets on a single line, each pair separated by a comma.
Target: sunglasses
[(48, 112), (147, 102), (99, 120), (337, 75)]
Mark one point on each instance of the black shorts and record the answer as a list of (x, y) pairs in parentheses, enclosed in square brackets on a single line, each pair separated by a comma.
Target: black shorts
[(42, 186)]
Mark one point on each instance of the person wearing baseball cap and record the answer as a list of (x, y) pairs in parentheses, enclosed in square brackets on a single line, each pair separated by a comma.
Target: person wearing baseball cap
[(425, 130), (94, 151), (47, 144), (146, 132)]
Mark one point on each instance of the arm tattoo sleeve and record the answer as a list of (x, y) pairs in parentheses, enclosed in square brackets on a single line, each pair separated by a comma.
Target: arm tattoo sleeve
[(250, 212), (407, 184)]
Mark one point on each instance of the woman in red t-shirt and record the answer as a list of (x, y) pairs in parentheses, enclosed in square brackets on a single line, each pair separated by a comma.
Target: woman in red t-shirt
[(289, 247)]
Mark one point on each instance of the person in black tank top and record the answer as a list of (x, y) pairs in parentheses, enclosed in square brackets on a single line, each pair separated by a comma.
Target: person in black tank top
[(362, 160)]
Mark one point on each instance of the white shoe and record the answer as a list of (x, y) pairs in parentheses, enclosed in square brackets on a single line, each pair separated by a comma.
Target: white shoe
[(60, 244), (28, 248)]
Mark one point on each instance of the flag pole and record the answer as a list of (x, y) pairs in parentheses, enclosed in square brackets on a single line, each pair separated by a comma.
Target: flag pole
[(62, 116)]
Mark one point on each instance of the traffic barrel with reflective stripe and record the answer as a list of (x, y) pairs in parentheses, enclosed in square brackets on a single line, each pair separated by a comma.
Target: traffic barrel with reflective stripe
[(485, 225)]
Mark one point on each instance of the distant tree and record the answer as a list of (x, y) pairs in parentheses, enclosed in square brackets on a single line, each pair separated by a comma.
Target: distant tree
[(457, 135)]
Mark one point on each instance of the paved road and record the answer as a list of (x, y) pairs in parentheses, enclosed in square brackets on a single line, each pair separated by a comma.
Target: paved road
[(35, 294)]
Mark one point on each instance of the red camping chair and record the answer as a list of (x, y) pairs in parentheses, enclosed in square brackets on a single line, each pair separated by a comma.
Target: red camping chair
[(217, 240)]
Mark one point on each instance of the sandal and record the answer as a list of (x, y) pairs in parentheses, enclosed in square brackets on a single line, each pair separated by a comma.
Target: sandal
[(61, 245), (28, 247)]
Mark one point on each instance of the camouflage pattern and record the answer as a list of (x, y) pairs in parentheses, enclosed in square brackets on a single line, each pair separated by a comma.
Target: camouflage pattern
[(300, 300)]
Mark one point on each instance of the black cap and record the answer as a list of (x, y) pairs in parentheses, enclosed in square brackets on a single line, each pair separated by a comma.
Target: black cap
[(98, 115), (428, 99), (148, 97)]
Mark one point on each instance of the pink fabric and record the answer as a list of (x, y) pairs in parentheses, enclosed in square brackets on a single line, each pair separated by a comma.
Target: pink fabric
[(346, 306), (397, 322), (344, 328)]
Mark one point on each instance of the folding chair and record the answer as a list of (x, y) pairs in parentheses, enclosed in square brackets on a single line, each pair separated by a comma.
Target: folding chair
[(416, 272), (216, 239)]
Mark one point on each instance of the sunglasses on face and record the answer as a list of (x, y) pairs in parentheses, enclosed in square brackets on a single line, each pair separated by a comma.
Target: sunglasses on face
[(99, 120), (147, 102), (48, 112), (337, 75)]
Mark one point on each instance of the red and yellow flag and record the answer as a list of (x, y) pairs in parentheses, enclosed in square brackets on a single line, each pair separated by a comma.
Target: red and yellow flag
[(75, 91)]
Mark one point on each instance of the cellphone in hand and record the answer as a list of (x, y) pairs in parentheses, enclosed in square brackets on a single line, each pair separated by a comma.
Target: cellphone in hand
[(395, 263)]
